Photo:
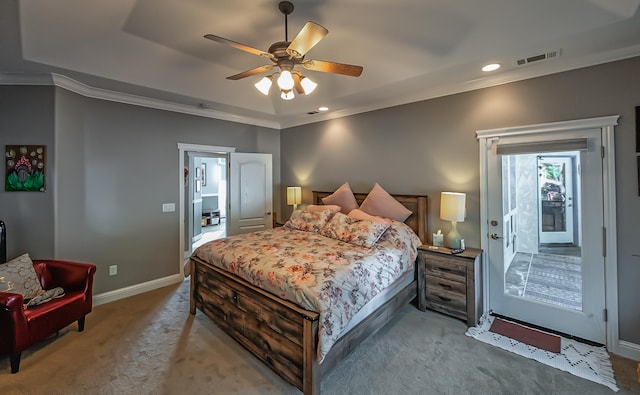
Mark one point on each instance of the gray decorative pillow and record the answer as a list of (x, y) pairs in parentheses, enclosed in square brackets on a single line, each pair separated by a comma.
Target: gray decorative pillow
[(18, 276)]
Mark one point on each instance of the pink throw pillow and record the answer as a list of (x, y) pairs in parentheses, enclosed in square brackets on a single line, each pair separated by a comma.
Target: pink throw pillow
[(314, 208), (380, 203), (359, 214), (342, 197)]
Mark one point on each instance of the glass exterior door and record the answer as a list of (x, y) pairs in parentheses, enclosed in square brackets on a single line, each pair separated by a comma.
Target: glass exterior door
[(545, 251)]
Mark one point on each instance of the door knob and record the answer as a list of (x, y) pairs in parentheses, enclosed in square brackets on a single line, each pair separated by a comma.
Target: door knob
[(495, 236)]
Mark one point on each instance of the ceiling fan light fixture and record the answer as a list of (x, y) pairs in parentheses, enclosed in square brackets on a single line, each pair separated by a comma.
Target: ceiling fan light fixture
[(307, 85), (264, 85), (285, 81), (287, 94)]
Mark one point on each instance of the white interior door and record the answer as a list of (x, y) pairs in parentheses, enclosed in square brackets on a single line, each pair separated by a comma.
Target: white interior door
[(250, 194), (561, 289), (557, 198)]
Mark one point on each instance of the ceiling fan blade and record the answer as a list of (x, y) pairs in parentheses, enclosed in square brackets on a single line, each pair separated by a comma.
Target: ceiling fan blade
[(309, 36), (239, 46), (251, 72), (331, 67), (296, 83)]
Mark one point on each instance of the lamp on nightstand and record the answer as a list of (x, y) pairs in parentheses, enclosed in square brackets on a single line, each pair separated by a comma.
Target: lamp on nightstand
[(294, 197), (452, 209)]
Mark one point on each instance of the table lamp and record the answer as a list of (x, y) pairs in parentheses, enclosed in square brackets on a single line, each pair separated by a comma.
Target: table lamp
[(452, 209), (294, 197)]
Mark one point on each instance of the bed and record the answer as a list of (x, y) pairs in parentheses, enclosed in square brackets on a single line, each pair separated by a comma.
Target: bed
[(285, 336)]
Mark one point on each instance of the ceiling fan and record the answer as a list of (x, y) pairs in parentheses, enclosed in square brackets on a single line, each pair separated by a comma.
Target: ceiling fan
[(286, 55)]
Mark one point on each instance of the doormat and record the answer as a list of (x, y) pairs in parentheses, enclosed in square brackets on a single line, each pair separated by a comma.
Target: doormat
[(580, 359), (521, 333)]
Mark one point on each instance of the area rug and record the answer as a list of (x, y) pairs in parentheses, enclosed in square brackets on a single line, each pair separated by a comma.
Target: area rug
[(580, 359), (555, 279)]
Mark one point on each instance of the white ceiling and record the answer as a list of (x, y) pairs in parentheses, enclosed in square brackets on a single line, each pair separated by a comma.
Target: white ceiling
[(410, 49)]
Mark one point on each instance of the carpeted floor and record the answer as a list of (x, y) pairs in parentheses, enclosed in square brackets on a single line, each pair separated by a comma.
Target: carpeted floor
[(150, 344)]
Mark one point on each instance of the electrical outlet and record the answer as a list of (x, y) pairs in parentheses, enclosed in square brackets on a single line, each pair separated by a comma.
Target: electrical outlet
[(113, 270)]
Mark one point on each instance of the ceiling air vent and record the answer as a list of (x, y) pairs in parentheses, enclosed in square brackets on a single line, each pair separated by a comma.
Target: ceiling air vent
[(537, 58)]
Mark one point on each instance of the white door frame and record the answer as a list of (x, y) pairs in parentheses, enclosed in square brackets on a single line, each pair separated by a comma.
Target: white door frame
[(182, 148), (606, 125)]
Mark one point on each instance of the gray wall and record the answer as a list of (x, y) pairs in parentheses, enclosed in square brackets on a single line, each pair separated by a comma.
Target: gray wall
[(26, 117), (430, 146), (114, 166)]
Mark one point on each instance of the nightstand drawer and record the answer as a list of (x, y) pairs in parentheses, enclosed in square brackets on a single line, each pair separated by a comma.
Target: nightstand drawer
[(454, 297), (446, 268), (439, 284)]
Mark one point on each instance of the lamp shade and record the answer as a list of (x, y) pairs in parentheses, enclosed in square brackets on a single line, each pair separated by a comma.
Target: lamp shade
[(452, 206), (307, 85), (294, 195), (264, 85)]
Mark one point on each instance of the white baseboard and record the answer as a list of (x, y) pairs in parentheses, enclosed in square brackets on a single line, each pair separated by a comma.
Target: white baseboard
[(132, 290), (628, 350)]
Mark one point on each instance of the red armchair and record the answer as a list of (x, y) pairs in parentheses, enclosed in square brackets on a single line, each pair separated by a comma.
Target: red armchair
[(21, 328)]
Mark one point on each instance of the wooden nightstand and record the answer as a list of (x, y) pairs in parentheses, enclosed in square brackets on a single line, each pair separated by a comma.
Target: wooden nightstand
[(450, 284)]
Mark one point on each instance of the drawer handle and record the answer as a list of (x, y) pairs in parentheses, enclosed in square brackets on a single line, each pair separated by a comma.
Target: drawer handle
[(444, 299), (444, 269), (235, 297), (447, 286)]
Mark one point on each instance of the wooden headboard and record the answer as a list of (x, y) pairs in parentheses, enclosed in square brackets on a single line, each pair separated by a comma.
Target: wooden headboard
[(416, 203)]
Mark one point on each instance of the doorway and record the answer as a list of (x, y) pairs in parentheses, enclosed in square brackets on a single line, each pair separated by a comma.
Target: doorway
[(544, 236), (249, 201), (210, 191)]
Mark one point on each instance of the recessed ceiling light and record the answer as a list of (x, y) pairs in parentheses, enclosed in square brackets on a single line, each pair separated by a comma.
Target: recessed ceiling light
[(491, 67), (323, 108)]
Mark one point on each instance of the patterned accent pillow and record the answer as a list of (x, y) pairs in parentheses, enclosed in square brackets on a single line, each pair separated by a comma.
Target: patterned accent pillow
[(18, 276), (360, 232), (309, 221)]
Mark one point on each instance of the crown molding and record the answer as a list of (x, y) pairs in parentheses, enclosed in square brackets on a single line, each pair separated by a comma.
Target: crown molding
[(25, 79), (74, 86)]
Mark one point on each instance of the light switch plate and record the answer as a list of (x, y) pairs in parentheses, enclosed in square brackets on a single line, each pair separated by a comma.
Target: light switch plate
[(168, 207)]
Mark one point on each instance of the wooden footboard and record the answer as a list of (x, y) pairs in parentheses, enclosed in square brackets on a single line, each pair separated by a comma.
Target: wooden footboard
[(279, 333)]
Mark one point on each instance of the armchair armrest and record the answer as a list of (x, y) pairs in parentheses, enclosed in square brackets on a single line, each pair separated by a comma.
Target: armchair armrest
[(14, 331), (72, 276)]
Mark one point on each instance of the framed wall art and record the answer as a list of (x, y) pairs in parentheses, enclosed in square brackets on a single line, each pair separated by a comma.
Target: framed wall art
[(25, 168)]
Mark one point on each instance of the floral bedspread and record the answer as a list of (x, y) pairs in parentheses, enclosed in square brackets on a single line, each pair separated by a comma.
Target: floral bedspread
[(334, 278)]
